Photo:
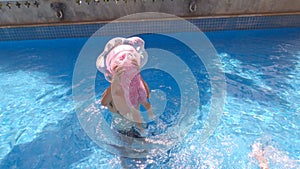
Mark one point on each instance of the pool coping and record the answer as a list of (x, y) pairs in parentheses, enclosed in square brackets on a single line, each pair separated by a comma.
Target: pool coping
[(204, 23)]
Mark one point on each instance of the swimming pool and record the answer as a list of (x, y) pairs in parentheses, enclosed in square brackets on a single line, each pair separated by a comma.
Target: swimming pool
[(40, 129)]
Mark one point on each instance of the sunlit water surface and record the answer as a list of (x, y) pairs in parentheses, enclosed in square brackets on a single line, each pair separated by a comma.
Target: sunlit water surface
[(40, 129)]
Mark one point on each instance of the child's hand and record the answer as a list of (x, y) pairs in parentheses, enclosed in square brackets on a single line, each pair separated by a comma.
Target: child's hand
[(135, 63), (119, 70), (135, 40)]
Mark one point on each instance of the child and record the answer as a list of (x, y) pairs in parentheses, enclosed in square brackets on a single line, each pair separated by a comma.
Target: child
[(120, 63)]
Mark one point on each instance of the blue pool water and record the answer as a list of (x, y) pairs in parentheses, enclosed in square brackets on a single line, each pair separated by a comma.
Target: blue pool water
[(40, 129)]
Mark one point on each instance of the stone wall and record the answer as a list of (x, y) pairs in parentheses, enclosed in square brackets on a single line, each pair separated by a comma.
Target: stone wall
[(63, 11)]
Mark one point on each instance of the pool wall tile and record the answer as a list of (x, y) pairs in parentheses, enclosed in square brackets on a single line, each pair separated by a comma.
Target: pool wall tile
[(204, 24)]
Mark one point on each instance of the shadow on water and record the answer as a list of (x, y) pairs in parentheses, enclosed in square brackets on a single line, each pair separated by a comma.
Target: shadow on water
[(60, 144), (268, 54), (56, 147)]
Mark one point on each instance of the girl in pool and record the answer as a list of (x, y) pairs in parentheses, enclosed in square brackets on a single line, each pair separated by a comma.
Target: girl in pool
[(120, 62)]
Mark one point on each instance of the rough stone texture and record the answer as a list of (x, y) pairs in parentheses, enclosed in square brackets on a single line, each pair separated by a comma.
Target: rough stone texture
[(113, 9)]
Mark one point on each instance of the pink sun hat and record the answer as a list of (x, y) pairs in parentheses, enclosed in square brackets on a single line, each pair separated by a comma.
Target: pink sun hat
[(117, 50)]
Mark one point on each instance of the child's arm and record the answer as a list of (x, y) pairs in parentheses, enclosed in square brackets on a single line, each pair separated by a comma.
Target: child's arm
[(135, 41), (146, 87), (107, 100), (106, 96), (146, 104)]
